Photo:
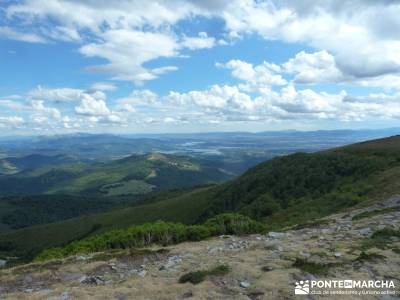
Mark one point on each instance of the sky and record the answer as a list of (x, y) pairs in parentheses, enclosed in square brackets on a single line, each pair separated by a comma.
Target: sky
[(135, 66)]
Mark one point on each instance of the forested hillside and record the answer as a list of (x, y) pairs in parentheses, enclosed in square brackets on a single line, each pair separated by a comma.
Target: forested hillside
[(282, 192)]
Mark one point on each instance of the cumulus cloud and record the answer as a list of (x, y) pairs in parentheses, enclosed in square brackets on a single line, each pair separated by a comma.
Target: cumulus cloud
[(92, 106), (314, 67), (362, 36), (200, 42), (127, 50), (257, 77), (354, 42)]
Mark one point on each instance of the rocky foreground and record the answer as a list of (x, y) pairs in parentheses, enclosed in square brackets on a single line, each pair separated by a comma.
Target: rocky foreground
[(342, 246)]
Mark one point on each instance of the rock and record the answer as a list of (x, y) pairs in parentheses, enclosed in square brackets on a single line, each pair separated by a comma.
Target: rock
[(63, 296), (94, 280), (244, 284), (28, 279), (83, 257), (2, 263), (276, 235), (71, 276), (304, 254), (255, 295), (388, 297), (188, 294), (266, 268), (365, 231), (272, 245), (172, 261), (142, 273)]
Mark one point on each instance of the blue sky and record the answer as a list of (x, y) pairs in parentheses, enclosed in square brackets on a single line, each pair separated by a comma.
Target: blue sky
[(192, 66)]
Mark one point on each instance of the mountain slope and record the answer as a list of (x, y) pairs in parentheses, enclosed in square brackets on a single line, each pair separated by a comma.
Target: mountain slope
[(282, 192), (137, 174), (258, 266)]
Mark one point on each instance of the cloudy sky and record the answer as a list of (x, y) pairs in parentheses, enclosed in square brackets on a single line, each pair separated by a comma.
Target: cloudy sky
[(201, 65)]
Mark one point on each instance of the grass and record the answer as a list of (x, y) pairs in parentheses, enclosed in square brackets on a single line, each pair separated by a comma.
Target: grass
[(396, 250), (197, 277), (312, 267), (312, 224), (105, 256), (128, 187), (369, 256), (380, 239), (369, 214)]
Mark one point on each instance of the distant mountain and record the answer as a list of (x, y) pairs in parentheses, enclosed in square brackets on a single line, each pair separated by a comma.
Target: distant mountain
[(282, 192), (133, 175), (233, 151), (12, 165), (83, 146)]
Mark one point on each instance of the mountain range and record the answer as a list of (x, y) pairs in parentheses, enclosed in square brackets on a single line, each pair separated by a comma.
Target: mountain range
[(286, 191)]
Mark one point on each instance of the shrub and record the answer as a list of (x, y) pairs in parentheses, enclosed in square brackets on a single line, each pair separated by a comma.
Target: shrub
[(369, 256), (311, 267), (193, 277), (233, 224), (161, 233), (381, 239), (199, 276)]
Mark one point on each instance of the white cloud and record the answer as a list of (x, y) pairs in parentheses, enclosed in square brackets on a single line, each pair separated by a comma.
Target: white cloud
[(38, 107), (56, 95), (10, 33), (90, 106), (256, 78), (13, 121), (313, 68), (363, 36), (200, 42), (364, 42), (127, 50), (103, 87), (217, 97)]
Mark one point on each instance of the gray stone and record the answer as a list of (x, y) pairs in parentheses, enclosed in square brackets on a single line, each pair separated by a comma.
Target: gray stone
[(83, 257), (93, 280), (380, 227), (304, 254), (276, 235), (142, 273), (244, 284), (2, 263), (365, 231), (172, 261)]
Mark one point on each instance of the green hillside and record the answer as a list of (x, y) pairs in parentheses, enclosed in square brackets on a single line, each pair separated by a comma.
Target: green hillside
[(282, 192), (138, 174)]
